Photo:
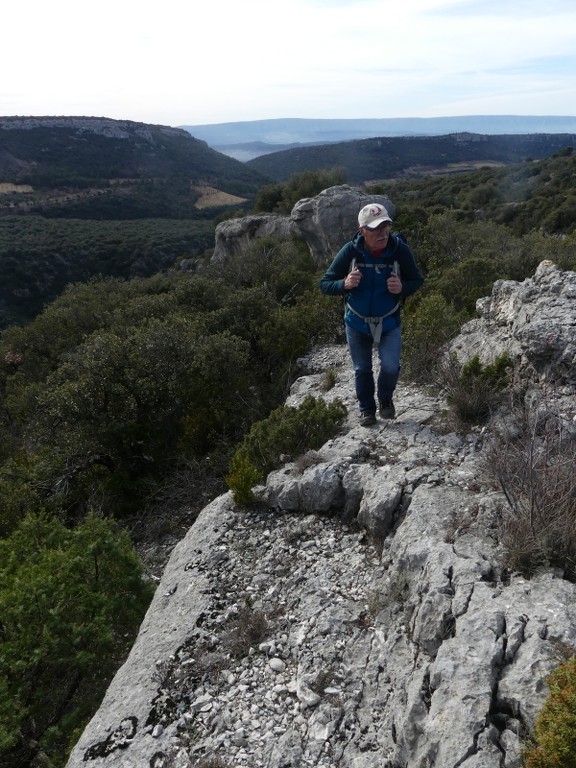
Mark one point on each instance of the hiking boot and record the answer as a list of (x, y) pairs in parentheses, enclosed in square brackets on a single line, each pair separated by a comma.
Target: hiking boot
[(367, 418), (387, 410)]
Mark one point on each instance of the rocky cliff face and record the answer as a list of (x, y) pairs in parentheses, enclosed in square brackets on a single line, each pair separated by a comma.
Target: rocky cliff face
[(533, 321), (359, 616)]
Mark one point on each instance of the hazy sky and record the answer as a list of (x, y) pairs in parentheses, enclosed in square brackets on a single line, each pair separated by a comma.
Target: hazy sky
[(195, 62)]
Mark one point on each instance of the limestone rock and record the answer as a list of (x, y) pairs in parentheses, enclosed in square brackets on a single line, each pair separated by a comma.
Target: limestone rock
[(532, 321), (317, 489), (392, 635), (234, 236), (325, 222), (380, 500), (330, 219)]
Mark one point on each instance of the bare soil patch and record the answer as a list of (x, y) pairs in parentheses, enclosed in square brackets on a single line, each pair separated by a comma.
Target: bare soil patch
[(214, 198)]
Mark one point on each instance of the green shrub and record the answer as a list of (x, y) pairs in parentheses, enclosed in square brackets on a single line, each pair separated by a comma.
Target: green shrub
[(287, 334), (116, 381), (71, 603), (427, 326), (10, 715), (285, 268), (471, 390), (281, 198), (554, 737), (290, 431), (18, 496), (463, 283), (494, 375), (242, 477)]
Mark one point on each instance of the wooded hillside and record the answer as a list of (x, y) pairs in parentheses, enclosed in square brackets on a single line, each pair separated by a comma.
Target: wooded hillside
[(110, 169), (84, 197), (411, 156)]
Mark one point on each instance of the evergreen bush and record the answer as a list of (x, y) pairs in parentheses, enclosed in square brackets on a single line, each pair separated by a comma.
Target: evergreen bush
[(292, 431), (286, 430), (472, 389), (554, 737), (242, 477), (71, 602), (427, 325)]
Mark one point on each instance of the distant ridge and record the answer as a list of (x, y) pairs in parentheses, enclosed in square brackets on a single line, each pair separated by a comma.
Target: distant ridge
[(401, 157), (264, 136)]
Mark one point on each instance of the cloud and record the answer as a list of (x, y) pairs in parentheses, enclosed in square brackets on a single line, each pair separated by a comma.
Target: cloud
[(180, 63)]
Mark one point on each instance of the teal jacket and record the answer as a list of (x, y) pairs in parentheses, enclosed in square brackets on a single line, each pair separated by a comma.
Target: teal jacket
[(371, 298)]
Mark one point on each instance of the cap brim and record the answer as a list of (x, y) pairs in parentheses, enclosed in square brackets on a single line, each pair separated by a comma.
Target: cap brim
[(378, 222)]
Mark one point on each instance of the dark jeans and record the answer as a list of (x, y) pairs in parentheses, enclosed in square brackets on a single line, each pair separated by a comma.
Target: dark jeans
[(361, 351)]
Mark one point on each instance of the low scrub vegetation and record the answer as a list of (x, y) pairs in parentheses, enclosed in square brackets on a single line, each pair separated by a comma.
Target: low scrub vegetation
[(122, 391), (71, 602), (473, 389), (428, 324), (108, 392), (285, 431), (40, 257), (553, 743), (534, 196), (534, 466), (246, 630), (282, 197)]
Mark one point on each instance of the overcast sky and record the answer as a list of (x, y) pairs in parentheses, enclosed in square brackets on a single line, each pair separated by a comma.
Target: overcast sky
[(204, 61)]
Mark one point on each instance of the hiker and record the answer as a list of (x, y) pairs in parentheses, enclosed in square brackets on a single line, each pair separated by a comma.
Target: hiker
[(374, 272)]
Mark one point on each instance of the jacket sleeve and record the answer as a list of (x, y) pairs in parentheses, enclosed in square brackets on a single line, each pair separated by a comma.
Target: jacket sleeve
[(410, 275), (332, 282)]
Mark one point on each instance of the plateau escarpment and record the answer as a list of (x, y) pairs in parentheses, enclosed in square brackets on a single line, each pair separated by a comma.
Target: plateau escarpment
[(361, 614)]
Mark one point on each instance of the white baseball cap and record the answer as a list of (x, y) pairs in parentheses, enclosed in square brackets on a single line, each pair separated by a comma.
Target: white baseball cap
[(372, 215)]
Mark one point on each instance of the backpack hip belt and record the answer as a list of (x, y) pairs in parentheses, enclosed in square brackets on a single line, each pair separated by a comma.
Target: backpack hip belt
[(374, 323)]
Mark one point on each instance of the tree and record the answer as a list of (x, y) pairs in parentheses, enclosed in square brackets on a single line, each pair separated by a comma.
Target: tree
[(123, 401), (281, 198), (70, 604)]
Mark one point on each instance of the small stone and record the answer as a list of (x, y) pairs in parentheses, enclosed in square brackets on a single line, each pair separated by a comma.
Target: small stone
[(277, 665), (202, 704), (265, 647), (307, 697)]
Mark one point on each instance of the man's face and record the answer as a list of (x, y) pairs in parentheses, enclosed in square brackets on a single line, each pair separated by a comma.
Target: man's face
[(376, 239)]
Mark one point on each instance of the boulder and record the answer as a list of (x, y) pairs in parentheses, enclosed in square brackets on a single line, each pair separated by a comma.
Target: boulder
[(330, 219), (325, 222), (235, 236), (532, 321)]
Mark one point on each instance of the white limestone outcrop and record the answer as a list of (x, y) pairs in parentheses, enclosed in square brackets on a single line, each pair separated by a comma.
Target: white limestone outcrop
[(325, 221)]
